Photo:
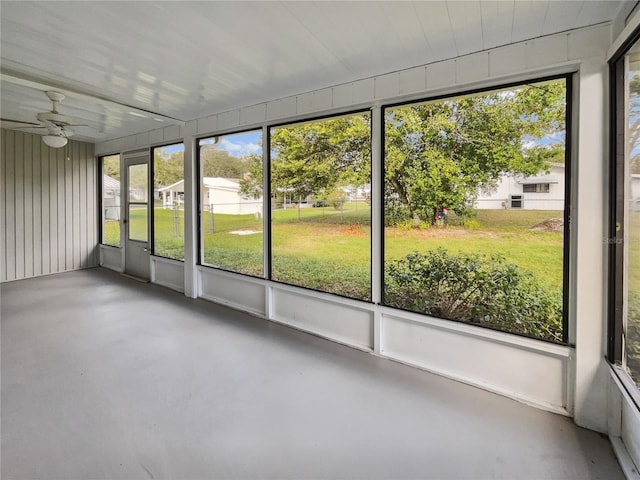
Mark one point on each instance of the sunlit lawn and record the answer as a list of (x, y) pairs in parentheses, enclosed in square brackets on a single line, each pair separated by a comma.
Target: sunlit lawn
[(329, 249)]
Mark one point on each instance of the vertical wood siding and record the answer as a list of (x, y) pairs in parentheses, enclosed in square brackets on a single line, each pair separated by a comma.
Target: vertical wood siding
[(47, 207)]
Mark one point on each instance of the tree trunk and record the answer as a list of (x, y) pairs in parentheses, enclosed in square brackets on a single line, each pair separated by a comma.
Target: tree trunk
[(416, 219)]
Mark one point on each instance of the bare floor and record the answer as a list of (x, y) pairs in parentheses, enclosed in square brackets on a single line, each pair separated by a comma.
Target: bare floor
[(104, 377)]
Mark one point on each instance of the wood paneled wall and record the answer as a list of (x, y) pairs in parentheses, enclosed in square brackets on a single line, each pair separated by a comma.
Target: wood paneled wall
[(47, 206)]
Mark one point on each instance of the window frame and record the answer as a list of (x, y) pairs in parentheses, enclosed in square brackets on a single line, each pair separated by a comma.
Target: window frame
[(538, 188), (152, 219), (568, 159), (200, 232), (100, 212), (616, 226), (299, 121)]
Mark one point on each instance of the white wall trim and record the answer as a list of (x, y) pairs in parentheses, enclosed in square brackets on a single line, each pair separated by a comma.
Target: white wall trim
[(627, 31)]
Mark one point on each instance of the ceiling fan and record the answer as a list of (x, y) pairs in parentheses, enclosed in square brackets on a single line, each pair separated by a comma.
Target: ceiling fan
[(57, 125)]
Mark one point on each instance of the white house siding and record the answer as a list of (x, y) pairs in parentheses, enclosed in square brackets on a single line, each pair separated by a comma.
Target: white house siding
[(49, 208), (514, 185), (110, 197), (219, 195)]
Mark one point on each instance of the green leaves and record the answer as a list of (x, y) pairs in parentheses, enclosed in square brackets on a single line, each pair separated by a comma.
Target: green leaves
[(316, 157), (474, 288), (440, 154)]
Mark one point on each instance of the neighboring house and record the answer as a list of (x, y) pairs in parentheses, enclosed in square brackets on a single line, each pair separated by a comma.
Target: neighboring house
[(540, 192), (111, 198), (172, 194), (219, 195)]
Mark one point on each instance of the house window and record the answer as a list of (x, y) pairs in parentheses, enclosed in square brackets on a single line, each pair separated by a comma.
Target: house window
[(535, 188), (453, 210), (231, 202), (110, 201), (168, 201), (624, 231), (320, 184)]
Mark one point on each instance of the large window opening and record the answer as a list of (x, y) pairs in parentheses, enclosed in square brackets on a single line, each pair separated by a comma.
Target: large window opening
[(110, 201), (168, 201), (624, 237), (231, 205), (320, 179), (461, 241)]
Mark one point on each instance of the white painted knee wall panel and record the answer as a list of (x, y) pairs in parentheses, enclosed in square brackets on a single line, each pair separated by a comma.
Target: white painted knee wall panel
[(111, 258), (335, 318), (234, 290), (527, 370), (168, 273)]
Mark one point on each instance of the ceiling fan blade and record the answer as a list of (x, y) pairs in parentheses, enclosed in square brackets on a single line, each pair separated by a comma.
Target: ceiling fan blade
[(18, 121), (77, 125), (29, 127)]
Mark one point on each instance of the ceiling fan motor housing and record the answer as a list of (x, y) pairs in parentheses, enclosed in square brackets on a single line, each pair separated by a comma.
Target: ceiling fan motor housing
[(55, 118)]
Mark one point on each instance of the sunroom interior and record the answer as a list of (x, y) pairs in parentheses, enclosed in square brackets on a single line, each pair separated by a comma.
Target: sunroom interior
[(229, 228)]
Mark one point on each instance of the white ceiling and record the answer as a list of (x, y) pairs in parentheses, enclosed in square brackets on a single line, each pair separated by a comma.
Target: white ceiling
[(177, 61)]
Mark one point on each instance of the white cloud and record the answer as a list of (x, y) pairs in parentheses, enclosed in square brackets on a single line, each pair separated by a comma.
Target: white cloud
[(238, 149)]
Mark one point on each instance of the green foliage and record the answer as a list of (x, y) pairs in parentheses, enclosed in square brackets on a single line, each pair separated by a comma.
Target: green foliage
[(111, 166), (476, 289), (316, 157), (633, 335), (251, 180), (167, 169), (440, 154), (220, 163)]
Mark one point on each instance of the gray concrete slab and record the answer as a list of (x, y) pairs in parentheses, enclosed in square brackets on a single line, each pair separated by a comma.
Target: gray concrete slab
[(104, 377)]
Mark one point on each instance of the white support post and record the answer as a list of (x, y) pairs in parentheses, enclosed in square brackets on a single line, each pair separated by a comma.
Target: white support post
[(191, 176), (377, 227)]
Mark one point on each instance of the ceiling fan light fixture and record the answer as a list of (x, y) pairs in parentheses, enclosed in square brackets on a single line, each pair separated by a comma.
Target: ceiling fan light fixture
[(54, 141)]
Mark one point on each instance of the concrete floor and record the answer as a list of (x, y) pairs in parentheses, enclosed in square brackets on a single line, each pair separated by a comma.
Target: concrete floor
[(104, 377)]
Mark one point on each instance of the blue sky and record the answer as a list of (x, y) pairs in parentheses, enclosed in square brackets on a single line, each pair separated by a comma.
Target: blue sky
[(173, 148), (239, 144)]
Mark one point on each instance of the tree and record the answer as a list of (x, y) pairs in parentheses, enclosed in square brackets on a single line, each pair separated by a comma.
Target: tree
[(111, 166), (441, 154), (314, 158), (220, 163), (251, 181), (167, 169), (633, 131)]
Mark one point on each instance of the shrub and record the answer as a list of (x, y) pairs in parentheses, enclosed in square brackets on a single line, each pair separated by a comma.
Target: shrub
[(474, 288), (632, 336)]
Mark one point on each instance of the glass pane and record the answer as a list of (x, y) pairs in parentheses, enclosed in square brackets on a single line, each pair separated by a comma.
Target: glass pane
[(632, 215), (111, 200), (474, 208), (138, 224), (138, 183), (320, 205), (168, 201), (231, 196)]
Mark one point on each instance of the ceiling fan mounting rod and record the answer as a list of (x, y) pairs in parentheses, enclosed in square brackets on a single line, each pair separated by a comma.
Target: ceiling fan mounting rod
[(55, 97)]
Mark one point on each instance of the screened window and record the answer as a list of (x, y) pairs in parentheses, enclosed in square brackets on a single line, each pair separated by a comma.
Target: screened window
[(110, 202), (231, 202), (168, 201), (535, 188), (320, 179), (624, 235), (460, 241)]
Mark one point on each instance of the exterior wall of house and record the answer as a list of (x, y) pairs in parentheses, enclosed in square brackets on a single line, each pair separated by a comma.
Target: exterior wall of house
[(511, 185), (49, 208)]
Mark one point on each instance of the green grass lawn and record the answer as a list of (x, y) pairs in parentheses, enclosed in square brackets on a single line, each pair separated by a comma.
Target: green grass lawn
[(329, 249)]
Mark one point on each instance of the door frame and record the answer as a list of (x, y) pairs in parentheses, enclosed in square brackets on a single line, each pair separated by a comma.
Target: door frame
[(137, 253)]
